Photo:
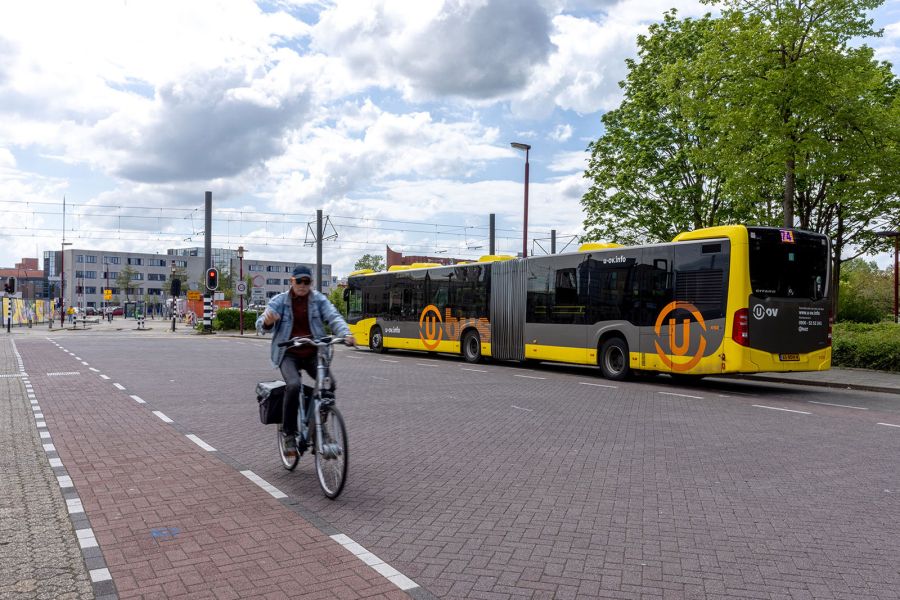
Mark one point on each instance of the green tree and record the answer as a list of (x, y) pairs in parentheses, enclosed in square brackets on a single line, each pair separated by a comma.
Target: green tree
[(336, 296), (369, 261), (650, 178), (800, 118), (124, 280)]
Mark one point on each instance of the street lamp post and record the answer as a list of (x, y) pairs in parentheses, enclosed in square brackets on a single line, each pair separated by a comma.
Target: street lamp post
[(526, 148), (896, 236), (240, 252)]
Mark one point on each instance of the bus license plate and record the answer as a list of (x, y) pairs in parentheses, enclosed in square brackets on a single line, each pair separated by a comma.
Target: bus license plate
[(789, 357)]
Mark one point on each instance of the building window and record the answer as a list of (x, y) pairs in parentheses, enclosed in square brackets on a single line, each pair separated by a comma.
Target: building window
[(113, 260), (90, 290), (255, 267), (137, 277), (157, 262), (79, 274), (287, 282), (135, 261), (90, 274), (156, 277), (90, 259), (180, 263), (273, 281), (79, 258)]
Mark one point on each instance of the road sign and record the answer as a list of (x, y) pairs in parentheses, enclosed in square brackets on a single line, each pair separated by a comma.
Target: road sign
[(107, 294), (241, 287), (192, 295), (219, 296)]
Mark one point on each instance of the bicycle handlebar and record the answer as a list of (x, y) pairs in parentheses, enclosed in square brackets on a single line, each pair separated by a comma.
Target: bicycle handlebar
[(305, 341)]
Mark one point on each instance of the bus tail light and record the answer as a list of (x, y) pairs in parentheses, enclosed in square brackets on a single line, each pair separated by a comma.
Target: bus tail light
[(740, 330)]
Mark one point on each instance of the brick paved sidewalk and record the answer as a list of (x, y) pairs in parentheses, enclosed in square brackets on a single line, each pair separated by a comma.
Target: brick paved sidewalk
[(173, 520)]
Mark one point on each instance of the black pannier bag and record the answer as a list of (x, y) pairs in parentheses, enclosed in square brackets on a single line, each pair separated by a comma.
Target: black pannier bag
[(270, 396)]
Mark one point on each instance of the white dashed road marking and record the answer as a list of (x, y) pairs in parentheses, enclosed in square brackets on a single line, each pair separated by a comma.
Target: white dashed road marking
[(681, 395), (799, 412), (200, 442), (520, 408), (138, 399), (474, 370), (162, 416), (390, 573), (120, 386), (529, 377), (271, 489), (614, 387), (889, 425), (840, 405)]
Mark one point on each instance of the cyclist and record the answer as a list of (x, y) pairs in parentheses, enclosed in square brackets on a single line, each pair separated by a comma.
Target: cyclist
[(298, 312)]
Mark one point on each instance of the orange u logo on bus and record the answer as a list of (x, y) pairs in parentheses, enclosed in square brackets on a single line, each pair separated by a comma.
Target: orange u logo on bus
[(682, 348), (430, 330)]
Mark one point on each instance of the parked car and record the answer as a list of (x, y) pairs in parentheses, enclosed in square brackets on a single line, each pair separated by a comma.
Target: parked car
[(90, 311)]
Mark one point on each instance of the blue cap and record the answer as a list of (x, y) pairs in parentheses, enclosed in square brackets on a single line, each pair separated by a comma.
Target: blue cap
[(301, 271)]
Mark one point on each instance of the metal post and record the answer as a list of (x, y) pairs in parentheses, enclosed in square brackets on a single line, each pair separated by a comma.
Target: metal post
[(552, 241), (492, 234), (207, 298), (241, 267), (171, 279), (896, 268), (9, 301), (319, 250)]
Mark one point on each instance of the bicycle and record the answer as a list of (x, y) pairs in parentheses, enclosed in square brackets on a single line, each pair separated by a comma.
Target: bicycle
[(322, 430)]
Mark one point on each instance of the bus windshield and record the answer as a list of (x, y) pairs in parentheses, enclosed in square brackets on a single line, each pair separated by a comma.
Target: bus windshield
[(786, 263)]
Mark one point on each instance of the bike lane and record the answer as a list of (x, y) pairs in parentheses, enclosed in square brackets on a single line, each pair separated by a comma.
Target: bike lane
[(168, 515)]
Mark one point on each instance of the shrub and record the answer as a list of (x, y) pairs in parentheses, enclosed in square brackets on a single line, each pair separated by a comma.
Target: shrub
[(867, 346), (229, 318)]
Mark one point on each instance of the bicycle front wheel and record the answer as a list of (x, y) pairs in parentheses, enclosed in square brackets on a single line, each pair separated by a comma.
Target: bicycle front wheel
[(331, 461)]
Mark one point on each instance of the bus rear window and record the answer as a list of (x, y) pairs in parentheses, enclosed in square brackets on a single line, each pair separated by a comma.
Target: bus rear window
[(788, 263)]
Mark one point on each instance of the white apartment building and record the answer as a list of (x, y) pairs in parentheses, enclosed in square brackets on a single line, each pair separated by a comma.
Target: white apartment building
[(88, 272)]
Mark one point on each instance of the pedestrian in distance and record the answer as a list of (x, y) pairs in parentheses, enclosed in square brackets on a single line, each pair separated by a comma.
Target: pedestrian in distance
[(298, 312)]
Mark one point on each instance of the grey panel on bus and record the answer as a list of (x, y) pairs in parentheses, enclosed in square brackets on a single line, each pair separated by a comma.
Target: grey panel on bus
[(508, 310)]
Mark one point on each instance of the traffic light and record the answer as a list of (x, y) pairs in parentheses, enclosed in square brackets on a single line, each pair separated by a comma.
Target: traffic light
[(176, 287), (10, 286), (212, 279)]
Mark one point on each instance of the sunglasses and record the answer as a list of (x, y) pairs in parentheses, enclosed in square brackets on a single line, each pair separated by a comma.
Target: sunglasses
[(304, 280)]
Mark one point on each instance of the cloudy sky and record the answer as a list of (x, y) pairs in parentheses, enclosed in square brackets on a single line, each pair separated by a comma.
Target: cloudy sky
[(394, 117)]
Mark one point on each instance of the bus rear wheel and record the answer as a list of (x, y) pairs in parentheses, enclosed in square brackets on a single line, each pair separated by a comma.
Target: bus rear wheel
[(471, 347), (376, 340), (614, 359)]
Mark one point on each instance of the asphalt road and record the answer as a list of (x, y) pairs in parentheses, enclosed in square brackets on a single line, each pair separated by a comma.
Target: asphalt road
[(501, 481)]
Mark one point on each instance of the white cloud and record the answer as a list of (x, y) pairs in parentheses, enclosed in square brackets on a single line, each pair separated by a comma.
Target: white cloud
[(561, 133)]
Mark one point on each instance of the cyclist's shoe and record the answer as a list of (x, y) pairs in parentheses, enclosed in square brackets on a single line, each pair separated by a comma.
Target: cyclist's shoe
[(302, 445), (289, 444)]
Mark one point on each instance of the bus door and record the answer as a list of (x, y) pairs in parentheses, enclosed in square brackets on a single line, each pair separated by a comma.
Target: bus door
[(555, 310), (654, 314)]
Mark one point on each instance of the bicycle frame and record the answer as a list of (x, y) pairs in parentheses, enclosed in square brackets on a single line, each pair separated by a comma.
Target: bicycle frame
[(324, 354)]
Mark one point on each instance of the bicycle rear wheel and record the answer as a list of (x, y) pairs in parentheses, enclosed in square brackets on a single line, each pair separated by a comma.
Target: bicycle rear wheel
[(331, 462), (288, 462)]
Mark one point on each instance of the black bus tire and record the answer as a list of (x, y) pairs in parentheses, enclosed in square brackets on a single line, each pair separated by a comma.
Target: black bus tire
[(614, 360), (471, 346), (376, 340)]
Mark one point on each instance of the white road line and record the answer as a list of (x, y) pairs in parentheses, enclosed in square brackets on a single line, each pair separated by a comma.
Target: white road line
[(95, 370), (388, 360), (520, 408), (427, 365), (138, 399), (614, 387), (390, 573), (889, 425), (84, 363), (200, 442), (271, 489), (474, 370), (680, 395), (104, 376), (529, 377), (840, 405), (162, 416), (120, 386), (64, 481), (381, 378), (799, 412)]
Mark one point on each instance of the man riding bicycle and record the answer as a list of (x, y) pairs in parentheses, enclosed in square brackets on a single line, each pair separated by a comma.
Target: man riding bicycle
[(298, 312)]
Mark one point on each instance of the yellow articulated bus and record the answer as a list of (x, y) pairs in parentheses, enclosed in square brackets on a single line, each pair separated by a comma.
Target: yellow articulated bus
[(730, 299)]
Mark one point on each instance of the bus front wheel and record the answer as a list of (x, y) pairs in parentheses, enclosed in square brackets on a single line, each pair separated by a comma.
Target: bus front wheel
[(614, 359), (376, 340), (471, 347)]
